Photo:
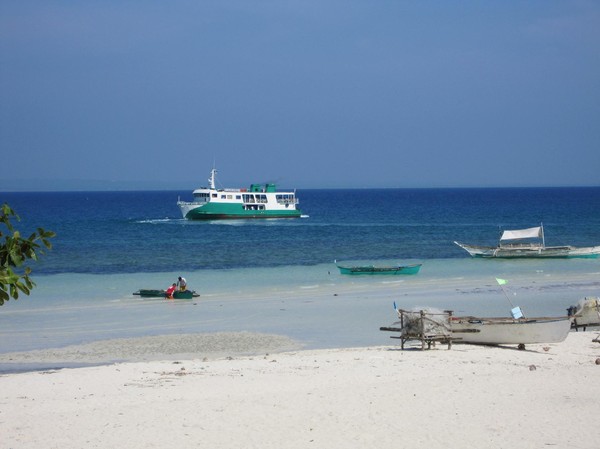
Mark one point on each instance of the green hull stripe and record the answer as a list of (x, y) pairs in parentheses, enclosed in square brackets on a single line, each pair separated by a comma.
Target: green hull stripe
[(220, 210)]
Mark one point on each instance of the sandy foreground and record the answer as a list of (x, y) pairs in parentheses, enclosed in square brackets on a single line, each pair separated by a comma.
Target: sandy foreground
[(465, 397)]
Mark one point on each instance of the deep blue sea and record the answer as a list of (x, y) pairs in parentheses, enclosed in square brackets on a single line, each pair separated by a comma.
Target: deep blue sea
[(134, 232), (278, 276)]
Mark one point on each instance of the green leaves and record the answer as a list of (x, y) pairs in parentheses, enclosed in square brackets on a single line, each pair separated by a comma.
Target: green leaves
[(14, 253)]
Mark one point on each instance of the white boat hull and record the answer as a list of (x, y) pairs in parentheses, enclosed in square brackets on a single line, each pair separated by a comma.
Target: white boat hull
[(499, 331)]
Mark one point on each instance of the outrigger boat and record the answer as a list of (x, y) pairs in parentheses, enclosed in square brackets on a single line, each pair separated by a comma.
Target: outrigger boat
[(154, 293), (525, 243), (372, 269), (506, 331), (259, 201), (429, 326)]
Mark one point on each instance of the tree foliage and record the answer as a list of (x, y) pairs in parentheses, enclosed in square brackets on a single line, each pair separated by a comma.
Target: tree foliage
[(15, 251)]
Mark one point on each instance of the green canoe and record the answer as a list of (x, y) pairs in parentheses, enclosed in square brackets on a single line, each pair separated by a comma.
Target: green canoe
[(372, 269)]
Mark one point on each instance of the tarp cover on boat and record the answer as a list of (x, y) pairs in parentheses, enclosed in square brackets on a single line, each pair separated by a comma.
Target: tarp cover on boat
[(531, 233)]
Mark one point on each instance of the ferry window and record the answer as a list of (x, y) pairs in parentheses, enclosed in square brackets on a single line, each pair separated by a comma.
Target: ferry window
[(229, 197), (238, 197), (214, 195), (285, 199)]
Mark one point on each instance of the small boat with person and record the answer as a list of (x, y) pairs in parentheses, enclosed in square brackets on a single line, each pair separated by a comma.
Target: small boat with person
[(159, 293), (258, 201), (528, 243), (385, 269)]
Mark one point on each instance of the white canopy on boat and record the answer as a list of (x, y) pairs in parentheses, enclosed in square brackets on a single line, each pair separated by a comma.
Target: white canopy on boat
[(530, 233)]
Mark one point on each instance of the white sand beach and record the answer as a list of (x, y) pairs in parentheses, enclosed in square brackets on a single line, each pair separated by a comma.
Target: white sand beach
[(468, 397), (305, 367)]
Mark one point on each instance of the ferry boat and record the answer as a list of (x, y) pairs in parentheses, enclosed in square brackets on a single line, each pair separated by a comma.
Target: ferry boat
[(258, 201)]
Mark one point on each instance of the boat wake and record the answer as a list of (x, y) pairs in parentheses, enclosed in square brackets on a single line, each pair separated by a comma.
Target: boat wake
[(162, 221)]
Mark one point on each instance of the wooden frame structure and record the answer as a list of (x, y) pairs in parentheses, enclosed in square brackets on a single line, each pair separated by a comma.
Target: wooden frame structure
[(421, 326)]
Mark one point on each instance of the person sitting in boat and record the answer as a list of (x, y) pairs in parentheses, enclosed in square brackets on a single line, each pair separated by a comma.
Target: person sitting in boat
[(169, 292), (182, 284)]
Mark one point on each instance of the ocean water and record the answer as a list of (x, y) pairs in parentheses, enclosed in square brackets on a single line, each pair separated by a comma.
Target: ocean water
[(142, 232), (278, 275)]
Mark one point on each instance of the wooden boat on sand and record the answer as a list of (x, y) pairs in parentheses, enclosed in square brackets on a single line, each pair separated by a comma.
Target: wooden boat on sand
[(506, 331), (155, 293), (429, 326), (585, 313)]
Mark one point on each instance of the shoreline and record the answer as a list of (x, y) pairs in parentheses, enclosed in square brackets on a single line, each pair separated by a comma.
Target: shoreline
[(468, 396), (202, 346)]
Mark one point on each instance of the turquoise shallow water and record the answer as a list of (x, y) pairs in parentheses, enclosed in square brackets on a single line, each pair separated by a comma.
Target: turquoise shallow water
[(314, 305), (278, 276)]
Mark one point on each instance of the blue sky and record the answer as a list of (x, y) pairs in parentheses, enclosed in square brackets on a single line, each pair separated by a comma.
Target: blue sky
[(309, 94)]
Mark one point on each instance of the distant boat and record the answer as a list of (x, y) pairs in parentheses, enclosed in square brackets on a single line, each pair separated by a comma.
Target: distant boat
[(372, 269), (524, 243), (258, 201), (155, 293)]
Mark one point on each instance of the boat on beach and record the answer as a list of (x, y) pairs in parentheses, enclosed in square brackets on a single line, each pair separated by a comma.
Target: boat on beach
[(528, 243), (258, 201), (372, 269), (158, 293), (429, 326), (585, 313), (506, 331)]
